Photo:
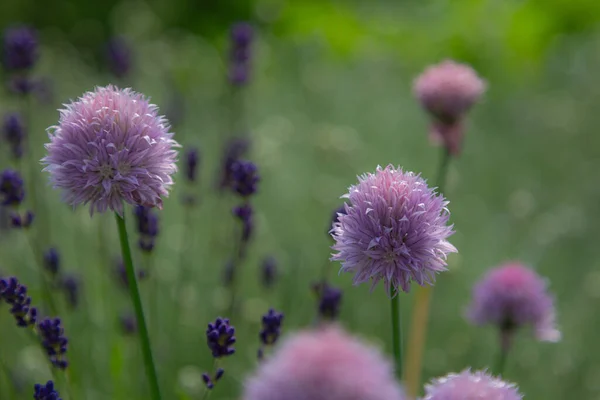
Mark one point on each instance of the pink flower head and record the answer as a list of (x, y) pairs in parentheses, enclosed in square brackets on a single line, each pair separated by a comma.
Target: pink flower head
[(469, 385), (111, 146), (326, 364), (511, 296), (447, 91), (395, 229)]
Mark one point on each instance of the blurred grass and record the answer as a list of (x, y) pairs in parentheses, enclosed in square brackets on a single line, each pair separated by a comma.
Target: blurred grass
[(330, 99)]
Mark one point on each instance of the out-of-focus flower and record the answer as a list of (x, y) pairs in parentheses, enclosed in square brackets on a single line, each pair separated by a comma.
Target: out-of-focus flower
[(245, 214), (147, 224), (14, 133), (15, 295), (271, 327), (52, 261), (469, 385), (325, 364), (234, 151), (192, 157), (511, 296), (330, 299), (71, 286), (20, 48), (268, 271), (54, 341), (121, 274), (45, 392), (447, 91), (119, 56), (21, 221), (12, 188), (220, 337), (245, 178), (210, 381), (242, 35), (128, 324), (111, 146), (395, 230)]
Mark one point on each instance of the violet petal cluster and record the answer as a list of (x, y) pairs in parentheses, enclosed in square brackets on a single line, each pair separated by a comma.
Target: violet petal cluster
[(20, 50), (511, 296), (220, 337), (395, 229), (54, 341), (15, 295), (45, 392), (469, 385), (326, 364), (111, 146)]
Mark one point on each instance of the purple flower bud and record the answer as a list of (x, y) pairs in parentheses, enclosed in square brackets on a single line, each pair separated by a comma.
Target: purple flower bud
[(52, 261), (20, 48), (330, 299), (147, 224), (54, 341), (70, 284), (119, 56), (14, 133), (245, 213), (220, 338), (245, 178), (271, 327), (269, 271), (12, 188), (15, 295), (207, 381), (24, 221), (128, 324), (45, 392), (219, 374), (242, 34), (191, 165), (21, 85), (233, 151)]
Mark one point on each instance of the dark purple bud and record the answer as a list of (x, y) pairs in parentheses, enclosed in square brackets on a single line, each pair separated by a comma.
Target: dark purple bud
[(219, 374), (21, 85), (20, 48), (121, 274), (119, 56), (207, 381), (15, 295), (12, 189), (147, 224), (271, 327), (244, 213), (269, 271), (128, 324), (54, 341), (330, 299), (70, 284), (13, 129), (238, 74), (234, 150), (245, 178), (21, 221), (242, 34), (45, 392), (191, 164), (220, 338), (52, 261)]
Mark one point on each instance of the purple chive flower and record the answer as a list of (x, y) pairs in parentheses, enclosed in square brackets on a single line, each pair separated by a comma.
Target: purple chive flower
[(469, 385), (20, 48), (111, 146), (52, 261), (128, 324), (325, 364), (14, 133), (147, 224), (220, 338), (15, 295), (191, 164), (245, 214), (234, 151), (268, 272), (71, 286), (12, 188), (511, 296), (242, 35), (271, 327), (45, 392), (244, 178), (395, 230), (447, 91), (54, 341), (330, 299), (119, 56)]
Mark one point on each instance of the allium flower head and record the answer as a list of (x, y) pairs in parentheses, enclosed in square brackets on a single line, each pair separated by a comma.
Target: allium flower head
[(111, 146), (395, 229), (325, 364), (511, 296), (469, 385), (20, 48)]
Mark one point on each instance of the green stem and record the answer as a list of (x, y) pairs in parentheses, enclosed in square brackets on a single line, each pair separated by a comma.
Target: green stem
[(46, 289), (443, 170), (139, 311), (500, 362), (396, 331)]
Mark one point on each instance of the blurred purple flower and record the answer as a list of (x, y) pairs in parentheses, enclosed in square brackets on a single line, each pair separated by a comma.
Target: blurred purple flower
[(20, 48), (330, 299), (469, 385), (111, 146), (192, 158), (14, 133), (71, 286), (245, 214), (52, 261), (447, 91), (128, 324), (326, 364), (511, 296), (271, 327), (242, 34), (12, 188), (45, 392), (147, 226), (119, 56), (220, 338), (121, 274), (268, 271), (15, 295), (234, 150), (21, 221), (395, 230), (54, 341), (245, 178)]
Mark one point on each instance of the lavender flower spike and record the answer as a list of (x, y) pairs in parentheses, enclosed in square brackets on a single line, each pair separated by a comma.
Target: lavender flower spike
[(111, 146), (45, 392), (395, 229), (470, 386), (511, 296), (20, 48)]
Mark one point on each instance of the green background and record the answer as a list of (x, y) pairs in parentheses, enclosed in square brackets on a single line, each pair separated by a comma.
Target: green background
[(330, 98)]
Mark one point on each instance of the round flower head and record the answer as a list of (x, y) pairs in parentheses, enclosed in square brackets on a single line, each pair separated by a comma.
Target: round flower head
[(469, 385), (111, 146), (326, 364), (447, 91), (511, 296), (395, 229)]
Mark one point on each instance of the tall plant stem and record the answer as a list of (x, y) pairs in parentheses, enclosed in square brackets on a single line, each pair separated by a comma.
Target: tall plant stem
[(139, 311), (396, 331), (420, 316)]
